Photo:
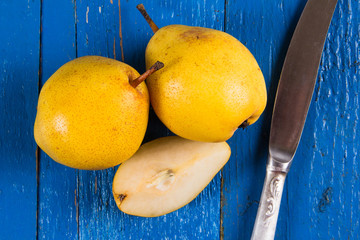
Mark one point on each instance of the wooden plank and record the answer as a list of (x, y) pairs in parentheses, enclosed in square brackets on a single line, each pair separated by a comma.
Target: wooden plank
[(265, 28), (321, 196), (200, 218), (57, 183), (19, 66), (321, 199), (98, 33), (324, 187)]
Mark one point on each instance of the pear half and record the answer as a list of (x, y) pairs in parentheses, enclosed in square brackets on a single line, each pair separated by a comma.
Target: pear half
[(166, 174)]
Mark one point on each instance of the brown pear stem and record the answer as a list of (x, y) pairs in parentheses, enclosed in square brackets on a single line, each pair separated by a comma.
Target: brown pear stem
[(143, 12), (244, 125), (158, 65)]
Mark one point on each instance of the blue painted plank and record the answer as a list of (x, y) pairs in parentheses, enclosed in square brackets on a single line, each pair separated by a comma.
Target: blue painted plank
[(320, 200), (19, 66), (265, 28), (324, 187), (98, 34), (200, 218), (57, 183), (98, 214)]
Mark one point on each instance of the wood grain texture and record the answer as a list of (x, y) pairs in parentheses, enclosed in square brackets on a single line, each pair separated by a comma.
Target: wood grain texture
[(200, 218), (98, 34), (321, 196), (98, 214), (19, 66), (57, 183), (324, 187), (266, 31)]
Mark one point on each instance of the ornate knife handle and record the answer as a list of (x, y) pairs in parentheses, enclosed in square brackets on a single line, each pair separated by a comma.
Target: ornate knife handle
[(268, 211)]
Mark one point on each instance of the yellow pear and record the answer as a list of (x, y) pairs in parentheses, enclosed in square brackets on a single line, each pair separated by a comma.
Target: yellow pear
[(166, 174), (92, 113), (211, 84)]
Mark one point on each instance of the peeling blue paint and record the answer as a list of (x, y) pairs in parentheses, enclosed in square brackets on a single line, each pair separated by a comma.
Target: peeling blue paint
[(321, 195)]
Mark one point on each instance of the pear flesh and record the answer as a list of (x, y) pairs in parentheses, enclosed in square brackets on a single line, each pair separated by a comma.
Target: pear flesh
[(166, 174)]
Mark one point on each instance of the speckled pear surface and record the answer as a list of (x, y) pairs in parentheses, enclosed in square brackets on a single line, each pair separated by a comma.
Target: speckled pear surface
[(89, 116), (209, 86)]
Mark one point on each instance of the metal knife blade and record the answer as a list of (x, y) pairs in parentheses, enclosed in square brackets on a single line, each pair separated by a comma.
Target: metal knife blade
[(298, 78), (292, 102)]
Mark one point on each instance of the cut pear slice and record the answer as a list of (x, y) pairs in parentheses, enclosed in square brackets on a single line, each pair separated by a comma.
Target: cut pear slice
[(166, 174)]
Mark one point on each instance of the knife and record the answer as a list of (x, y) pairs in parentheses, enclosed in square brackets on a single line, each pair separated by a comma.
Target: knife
[(293, 97)]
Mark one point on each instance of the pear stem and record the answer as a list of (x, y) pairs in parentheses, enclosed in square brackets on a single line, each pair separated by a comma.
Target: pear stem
[(134, 83), (244, 125), (143, 12)]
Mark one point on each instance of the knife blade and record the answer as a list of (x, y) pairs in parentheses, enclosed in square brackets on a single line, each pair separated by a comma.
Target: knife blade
[(293, 97)]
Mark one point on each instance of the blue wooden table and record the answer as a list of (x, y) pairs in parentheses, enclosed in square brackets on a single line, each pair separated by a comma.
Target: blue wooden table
[(41, 199)]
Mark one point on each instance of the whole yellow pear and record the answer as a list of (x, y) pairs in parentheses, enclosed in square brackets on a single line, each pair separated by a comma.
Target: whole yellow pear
[(89, 116), (210, 86)]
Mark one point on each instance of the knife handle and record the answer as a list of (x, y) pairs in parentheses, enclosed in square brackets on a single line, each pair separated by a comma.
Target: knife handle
[(268, 210)]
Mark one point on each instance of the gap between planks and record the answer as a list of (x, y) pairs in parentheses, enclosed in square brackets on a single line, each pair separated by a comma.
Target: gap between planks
[(120, 33), (222, 201), (37, 151)]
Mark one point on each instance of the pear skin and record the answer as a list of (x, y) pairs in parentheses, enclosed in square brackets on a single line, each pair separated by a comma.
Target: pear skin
[(88, 114), (211, 85)]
